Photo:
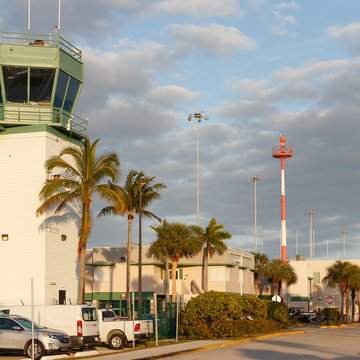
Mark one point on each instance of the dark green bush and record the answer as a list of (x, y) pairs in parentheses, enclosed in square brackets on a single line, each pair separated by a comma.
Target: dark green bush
[(330, 316), (217, 315), (278, 312)]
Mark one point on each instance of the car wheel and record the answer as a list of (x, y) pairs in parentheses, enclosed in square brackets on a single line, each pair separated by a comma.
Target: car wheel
[(39, 350), (116, 341)]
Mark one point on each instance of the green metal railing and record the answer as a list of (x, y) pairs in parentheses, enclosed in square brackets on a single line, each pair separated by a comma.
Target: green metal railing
[(41, 115), (30, 39)]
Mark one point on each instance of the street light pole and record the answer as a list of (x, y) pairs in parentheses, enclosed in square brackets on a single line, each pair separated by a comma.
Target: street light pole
[(344, 234), (311, 213), (254, 179), (142, 181), (198, 116)]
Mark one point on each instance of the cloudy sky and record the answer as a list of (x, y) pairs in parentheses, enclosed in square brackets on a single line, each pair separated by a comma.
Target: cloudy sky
[(258, 69)]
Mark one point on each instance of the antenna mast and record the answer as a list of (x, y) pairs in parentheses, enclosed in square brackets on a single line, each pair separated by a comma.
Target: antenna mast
[(59, 15), (29, 3)]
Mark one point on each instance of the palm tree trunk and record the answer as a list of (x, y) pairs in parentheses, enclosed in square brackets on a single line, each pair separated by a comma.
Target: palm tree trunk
[(256, 284), (353, 306), (167, 280), (81, 289), (347, 306), (173, 279), (205, 268), (342, 292), (128, 274)]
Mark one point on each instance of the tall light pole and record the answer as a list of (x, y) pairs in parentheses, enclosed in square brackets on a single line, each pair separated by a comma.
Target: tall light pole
[(254, 179), (142, 181), (198, 117), (344, 234), (311, 213)]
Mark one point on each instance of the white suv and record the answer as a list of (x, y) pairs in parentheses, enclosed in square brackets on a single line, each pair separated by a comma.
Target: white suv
[(16, 335)]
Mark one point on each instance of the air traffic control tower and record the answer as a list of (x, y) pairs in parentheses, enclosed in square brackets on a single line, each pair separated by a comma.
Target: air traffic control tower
[(41, 77)]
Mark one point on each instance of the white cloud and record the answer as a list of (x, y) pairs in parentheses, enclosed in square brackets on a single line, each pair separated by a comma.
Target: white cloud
[(287, 5), (348, 34), (313, 69), (350, 31), (212, 38), (197, 8), (171, 94)]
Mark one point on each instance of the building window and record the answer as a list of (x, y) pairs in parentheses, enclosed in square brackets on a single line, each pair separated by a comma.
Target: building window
[(71, 94), (15, 79), (316, 277), (61, 86), (41, 84), (40, 80)]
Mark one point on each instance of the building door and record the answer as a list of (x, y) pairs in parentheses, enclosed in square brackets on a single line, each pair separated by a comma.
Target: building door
[(62, 297)]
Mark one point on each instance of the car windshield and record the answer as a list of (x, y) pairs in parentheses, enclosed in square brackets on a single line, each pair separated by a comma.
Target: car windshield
[(27, 323)]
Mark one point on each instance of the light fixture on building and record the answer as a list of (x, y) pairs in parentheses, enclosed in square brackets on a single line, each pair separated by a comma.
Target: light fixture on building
[(4, 237), (63, 237)]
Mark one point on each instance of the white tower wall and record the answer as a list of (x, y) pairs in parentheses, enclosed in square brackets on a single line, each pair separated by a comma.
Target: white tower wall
[(35, 248)]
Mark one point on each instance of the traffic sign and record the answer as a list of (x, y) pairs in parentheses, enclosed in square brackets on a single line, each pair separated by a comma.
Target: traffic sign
[(329, 300)]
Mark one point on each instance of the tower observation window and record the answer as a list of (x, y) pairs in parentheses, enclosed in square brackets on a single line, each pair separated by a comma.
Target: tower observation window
[(41, 84), (62, 82), (15, 79), (71, 94)]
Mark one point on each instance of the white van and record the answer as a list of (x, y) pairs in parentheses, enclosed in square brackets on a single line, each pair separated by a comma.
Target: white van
[(79, 321)]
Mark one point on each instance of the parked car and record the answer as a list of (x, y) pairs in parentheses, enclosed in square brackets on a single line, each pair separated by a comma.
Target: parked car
[(16, 336)]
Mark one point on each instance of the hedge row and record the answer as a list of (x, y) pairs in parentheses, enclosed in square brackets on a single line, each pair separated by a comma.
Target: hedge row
[(218, 315)]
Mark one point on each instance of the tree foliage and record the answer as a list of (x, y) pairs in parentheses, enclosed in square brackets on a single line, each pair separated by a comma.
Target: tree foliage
[(83, 173), (176, 240)]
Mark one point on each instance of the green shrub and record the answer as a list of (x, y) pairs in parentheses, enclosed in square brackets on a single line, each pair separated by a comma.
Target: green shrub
[(278, 312), (330, 316), (218, 315)]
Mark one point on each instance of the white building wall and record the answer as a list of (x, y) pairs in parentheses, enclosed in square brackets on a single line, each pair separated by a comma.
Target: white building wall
[(34, 249)]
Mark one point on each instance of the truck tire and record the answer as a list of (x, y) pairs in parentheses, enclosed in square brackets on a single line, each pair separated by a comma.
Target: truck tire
[(116, 341)]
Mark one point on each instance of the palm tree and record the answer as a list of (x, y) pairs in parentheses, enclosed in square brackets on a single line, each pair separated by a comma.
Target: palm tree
[(261, 260), (339, 274), (82, 177), (126, 200), (354, 285), (212, 237), (179, 240), (277, 272), (159, 250)]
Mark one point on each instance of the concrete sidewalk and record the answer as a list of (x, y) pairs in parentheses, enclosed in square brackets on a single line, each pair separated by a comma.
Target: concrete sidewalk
[(183, 347)]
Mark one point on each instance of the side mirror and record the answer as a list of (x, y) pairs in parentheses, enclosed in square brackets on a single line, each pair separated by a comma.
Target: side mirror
[(17, 327)]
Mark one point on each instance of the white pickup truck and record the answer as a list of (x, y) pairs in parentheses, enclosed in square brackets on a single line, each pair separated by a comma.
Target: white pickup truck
[(117, 333)]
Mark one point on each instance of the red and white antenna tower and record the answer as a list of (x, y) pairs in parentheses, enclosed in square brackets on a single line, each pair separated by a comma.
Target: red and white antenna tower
[(283, 152)]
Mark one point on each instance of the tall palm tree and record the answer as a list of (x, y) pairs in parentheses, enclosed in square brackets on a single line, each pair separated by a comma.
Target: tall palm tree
[(126, 200), (212, 237), (277, 272), (83, 172), (354, 285), (260, 260), (180, 240), (338, 274)]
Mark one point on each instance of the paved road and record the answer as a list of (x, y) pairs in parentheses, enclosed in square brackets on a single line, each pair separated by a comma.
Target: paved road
[(314, 344)]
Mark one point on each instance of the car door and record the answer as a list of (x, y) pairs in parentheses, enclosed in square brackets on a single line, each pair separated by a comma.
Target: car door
[(12, 335)]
